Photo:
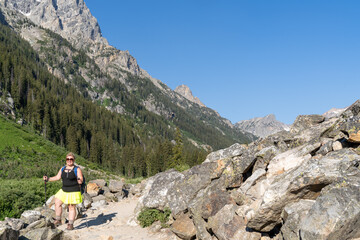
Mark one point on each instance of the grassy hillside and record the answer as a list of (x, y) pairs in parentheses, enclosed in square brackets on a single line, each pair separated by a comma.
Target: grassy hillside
[(24, 158)]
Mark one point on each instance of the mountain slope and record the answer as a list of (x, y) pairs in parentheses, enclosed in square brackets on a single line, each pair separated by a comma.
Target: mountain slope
[(108, 75)]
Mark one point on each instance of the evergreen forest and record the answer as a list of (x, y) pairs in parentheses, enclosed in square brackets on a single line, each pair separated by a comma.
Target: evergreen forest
[(58, 111)]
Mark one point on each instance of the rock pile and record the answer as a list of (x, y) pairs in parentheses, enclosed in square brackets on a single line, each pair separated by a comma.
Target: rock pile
[(297, 184), (38, 223)]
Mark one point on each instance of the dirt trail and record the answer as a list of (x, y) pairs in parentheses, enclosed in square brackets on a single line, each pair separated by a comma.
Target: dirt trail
[(112, 222)]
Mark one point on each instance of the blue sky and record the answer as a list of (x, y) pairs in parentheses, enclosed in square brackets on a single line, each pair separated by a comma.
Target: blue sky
[(244, 59)]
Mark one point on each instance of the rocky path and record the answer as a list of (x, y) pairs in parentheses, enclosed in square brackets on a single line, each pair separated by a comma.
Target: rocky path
[(112, 222)]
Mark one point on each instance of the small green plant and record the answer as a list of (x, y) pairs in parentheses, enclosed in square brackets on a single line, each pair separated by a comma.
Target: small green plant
[(149, 215), (182, 167)]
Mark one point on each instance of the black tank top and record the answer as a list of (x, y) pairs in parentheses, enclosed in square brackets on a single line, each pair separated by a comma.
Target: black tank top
[(69, 181)]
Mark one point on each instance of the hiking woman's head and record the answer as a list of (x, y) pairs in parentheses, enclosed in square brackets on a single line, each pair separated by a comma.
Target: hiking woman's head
[(70, 159)]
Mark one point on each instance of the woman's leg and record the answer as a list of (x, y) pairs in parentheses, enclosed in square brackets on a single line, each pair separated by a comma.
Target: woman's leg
[(58, 211), (72, 213)]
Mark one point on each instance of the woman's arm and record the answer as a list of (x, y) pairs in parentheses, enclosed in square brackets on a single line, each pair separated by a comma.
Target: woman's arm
[(80, 177), (52, 179)]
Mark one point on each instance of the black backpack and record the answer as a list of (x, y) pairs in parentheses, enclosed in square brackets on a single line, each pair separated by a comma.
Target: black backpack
[(83, 185)]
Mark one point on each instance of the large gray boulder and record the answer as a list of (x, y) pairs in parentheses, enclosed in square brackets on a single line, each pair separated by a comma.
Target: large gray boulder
[(116, 186), (335, 214), (157, 188), (303, 182), (292, 215), (185, 188)]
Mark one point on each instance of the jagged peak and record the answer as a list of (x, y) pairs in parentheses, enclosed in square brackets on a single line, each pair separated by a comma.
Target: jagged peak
[(185, 91)]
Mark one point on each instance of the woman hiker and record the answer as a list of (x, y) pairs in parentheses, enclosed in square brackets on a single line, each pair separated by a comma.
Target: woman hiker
[(70, 192)]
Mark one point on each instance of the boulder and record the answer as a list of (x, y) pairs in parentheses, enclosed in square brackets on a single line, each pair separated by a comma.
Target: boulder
[(37, 224), (264, 156), (292, 216), (14, 223), (30, 216), (87, 200), (252, 180), (291, 159), (335, 214), (92, 189), (7, 232), (184, 227), (99, 204), (337, 146), (46, 212), (232, 151), (326, 147), (315, 132), (105, 189), (43, 234), (353, 110), (116, 186), (136, 189), (157, 188), (110, 197), (98, 198), (354, 137), (185, 189), (303, 122), (210, 200), (303, 182), (227, 225), (100, 182)]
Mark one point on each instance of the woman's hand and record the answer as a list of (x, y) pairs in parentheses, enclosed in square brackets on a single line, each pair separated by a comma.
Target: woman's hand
[(46, 178), (79, 180)]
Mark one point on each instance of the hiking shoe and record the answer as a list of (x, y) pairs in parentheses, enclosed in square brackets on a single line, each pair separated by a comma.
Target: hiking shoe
[(70, 227), (57, 223)]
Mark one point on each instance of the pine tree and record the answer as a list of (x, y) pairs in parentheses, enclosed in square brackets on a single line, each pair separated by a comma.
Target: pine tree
[(177, 158)]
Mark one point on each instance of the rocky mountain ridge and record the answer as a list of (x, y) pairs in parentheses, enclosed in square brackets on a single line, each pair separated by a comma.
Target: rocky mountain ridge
[(262, 126)]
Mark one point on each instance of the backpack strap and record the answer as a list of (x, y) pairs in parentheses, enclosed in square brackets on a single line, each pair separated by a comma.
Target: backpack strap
[(75, 170)]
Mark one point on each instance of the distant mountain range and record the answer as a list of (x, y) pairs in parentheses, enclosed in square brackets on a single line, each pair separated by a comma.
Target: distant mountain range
[(262, 126)]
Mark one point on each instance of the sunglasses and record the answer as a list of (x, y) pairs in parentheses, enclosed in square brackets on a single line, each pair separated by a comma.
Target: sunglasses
[(69, 159)]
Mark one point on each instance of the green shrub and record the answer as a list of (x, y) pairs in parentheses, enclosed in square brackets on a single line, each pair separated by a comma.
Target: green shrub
[(16, 196), (148, 216)]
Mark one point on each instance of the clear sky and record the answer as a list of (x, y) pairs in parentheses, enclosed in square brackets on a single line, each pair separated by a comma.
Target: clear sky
[(244, 59)]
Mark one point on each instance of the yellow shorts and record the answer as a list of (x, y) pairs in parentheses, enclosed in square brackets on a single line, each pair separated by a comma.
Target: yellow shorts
[(69, 197)]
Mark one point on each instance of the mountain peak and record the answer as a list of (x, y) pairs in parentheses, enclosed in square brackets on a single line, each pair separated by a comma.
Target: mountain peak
[(185, 91), (262, 126), (70, 18)]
